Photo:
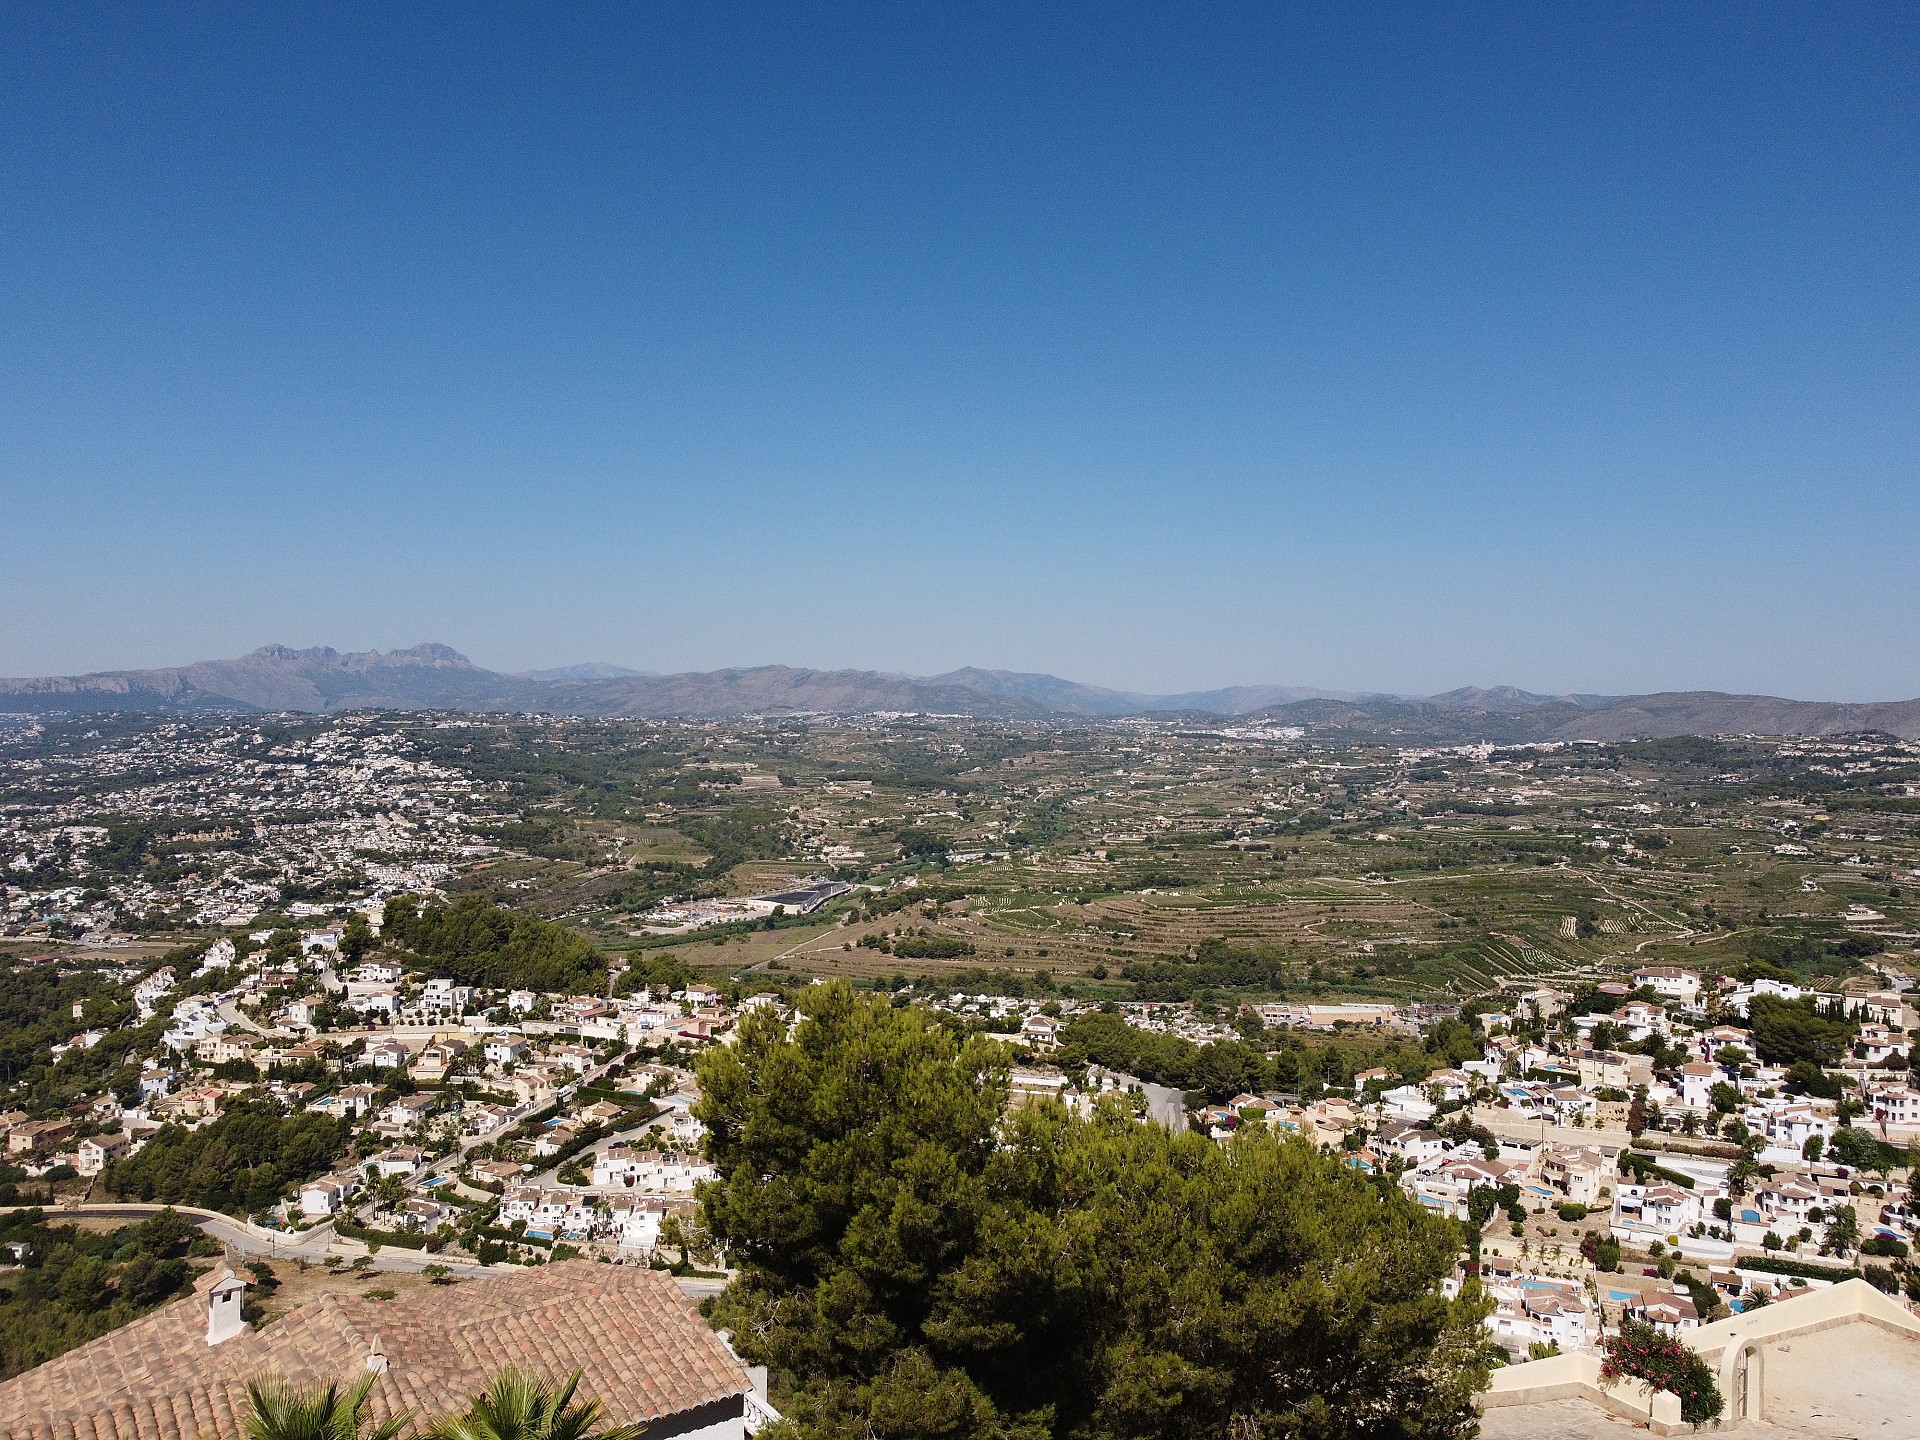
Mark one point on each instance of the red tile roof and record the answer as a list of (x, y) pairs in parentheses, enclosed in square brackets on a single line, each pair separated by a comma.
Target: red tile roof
[(645, 1350)]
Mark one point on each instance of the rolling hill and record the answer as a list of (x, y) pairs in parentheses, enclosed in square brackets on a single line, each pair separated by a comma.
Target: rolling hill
[(321, 680)]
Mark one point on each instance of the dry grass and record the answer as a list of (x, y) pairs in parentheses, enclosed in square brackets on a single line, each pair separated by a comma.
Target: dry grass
[(299, 1287)]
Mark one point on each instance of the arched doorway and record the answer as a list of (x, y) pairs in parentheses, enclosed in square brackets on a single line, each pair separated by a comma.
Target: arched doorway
[(1745, 1391)]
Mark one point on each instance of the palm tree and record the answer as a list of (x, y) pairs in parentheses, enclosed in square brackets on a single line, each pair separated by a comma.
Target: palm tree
[(1843, 1230), (520, 1405), (282, 1412), (388, 1190)]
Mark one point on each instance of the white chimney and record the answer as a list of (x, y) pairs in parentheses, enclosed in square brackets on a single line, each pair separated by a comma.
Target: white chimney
[(376, 1358), (226, 1299)]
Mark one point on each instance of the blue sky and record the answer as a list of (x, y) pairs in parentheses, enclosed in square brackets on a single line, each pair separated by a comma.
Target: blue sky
[(1376, 347)]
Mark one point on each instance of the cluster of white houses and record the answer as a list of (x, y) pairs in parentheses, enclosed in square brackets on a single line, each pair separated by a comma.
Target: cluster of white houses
[(1558, 1105), (441, 1067)]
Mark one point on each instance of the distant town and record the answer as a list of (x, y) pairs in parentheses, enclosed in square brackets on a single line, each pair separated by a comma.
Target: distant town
[(433, 987)]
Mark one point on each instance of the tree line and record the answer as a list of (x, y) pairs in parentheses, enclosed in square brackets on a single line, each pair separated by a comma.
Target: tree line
[(1216, 965), (1266, 1061), (475, 942), (240, 1162)]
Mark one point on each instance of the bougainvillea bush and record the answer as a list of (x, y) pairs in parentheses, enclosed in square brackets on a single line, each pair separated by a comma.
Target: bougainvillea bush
[(1666, 1363)]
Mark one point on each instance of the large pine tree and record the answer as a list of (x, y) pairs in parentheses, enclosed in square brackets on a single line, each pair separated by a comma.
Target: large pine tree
[(917, 1262)]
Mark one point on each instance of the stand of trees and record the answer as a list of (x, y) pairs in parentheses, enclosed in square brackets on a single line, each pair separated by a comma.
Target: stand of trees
[(1789, 1032), (915, 1262), (36, 1011), (644, 971), (475, 942), (1216, 965), (241, 1162), (74, 1285), (929, 947), (736, 833), (1221, 1069)]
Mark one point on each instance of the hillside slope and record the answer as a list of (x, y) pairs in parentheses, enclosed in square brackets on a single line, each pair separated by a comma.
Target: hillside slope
[(321, 680)]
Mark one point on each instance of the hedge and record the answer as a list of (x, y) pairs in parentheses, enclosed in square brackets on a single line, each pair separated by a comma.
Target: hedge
[(404, 1240), (1776, 1265), (1643, 1167), (625, 1099), (507, 1237)]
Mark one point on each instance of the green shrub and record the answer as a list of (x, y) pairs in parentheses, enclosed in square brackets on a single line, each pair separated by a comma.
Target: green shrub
[(374, 1239), (1647, 1172), (1806, 1270), (1602, 1251)]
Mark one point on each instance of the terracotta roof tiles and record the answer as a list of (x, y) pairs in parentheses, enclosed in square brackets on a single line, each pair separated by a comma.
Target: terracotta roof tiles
[(645, 1350)]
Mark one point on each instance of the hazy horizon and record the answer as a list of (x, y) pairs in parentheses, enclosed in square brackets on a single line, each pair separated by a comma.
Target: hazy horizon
[(1242, 683), (1371, 349)]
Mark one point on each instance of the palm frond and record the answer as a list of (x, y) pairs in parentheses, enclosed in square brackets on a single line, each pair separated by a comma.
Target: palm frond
[(278, 1410), (519, 1405)]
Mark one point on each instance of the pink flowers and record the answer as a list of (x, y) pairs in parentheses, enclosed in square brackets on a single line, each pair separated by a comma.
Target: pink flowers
[(1665, 1363)]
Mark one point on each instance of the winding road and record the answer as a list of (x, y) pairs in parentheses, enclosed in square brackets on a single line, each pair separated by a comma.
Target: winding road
[(312, 1246)]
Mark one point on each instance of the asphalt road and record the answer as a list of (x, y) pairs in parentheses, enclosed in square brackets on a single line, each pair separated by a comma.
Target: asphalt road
[(1165, 1105), (313, 1246), (585, 1158)]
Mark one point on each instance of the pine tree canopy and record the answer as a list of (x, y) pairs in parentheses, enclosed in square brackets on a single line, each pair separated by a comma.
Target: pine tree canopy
[(918, 1261)]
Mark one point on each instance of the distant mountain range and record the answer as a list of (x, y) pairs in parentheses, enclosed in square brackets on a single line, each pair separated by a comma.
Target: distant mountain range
[(435, 677), (589, 671)]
